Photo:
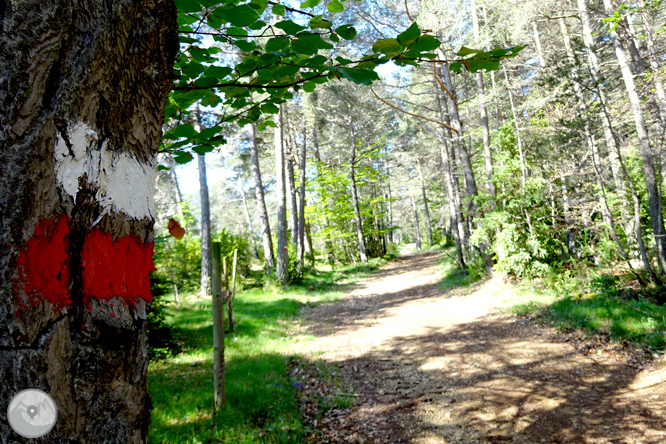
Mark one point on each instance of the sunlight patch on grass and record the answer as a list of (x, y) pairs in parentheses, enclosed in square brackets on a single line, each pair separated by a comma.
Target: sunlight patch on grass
[(261, 398)]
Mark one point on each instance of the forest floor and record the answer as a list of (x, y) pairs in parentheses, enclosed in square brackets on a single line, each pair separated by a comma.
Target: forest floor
[(426, 366)]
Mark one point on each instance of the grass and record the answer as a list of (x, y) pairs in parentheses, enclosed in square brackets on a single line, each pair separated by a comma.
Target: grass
[(604, 305), (262, 402), (598, 308), (452, 276)]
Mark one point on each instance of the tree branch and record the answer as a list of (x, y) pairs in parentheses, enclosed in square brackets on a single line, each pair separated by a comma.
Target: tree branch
[(411, 114)]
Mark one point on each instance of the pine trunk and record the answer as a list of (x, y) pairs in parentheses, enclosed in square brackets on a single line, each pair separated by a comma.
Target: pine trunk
[(301, 204), (653, 195), (261, 204), (82, 97), (282, 269)]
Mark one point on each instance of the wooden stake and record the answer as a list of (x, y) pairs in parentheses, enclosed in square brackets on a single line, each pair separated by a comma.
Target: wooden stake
[(219, 394), (230, 299)]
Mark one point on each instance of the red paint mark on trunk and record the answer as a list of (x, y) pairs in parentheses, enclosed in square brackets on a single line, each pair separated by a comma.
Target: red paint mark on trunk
[(43, 265), (118, 269)]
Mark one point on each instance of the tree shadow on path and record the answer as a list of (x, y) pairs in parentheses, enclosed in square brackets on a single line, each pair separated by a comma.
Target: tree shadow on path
[(447, 377)]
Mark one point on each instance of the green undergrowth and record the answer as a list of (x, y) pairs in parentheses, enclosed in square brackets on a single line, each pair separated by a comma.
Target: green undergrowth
[(580, 299), (262, 405), (452, 276), (603, 305)]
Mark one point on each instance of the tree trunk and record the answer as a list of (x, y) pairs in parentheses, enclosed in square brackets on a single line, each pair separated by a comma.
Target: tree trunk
[(482, 111), (609, 137), (179, 194), (282, 269), (354, 196), (653, 195), (301, 204), (468, 171), (80, 112), (425, 203), (328, 245), (587, 133), (293, 202), (205, 226), (654, 66), (261, 204), (455, 210), (248, 221), (417, 226)]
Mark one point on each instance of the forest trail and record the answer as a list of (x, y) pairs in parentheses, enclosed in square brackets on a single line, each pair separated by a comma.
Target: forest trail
[(432, 367)]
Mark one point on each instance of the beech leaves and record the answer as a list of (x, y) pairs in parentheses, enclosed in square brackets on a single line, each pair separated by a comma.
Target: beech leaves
[(274, 61)]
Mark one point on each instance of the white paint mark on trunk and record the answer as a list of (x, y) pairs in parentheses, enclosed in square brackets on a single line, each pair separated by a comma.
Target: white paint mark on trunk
[(122, 182)]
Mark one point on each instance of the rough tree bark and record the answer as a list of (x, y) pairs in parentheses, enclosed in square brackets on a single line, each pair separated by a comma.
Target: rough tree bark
[(261, 204), (82, 95), (452, 189), (282, 269)]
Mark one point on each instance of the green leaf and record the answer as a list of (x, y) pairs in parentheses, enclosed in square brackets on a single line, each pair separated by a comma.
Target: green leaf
[(360, 76), (315, 62), (387, 46), (289, 27), (477, 65), (202, 149), (425, 43), (277, 44), (410, 35), (240, 15), (187, 40), (258, 5), (270, 123), (219, 72), (285, 71), (206, 82), (199, 54), (309, 86), (278, 9), (269, 108), (211, 100), (334, 37), (234, 91), (245, 45), (347, 32), (182, 157), (320, 23), (235, 31), (185, 19), (188, 6), (456, 67), (310, 3), (193, 69), (209, 3), (335, 6), (184, 130), (257, 25), (464, 51), (309, 44)]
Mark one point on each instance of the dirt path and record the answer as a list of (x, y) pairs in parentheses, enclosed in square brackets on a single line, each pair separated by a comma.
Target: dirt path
[(448, 367)]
